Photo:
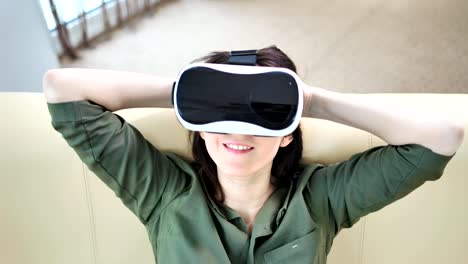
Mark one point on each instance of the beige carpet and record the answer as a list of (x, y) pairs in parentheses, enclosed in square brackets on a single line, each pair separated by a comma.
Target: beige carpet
[(351, 46)]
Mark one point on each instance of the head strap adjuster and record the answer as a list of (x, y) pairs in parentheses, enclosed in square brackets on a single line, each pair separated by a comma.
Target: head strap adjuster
[(243, 57)]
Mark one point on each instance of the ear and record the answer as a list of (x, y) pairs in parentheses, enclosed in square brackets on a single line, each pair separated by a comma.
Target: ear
[(286, 140), (202, 135)]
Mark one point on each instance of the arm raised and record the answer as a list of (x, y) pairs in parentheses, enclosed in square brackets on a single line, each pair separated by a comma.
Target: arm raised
[(114, 90), (393, 124)]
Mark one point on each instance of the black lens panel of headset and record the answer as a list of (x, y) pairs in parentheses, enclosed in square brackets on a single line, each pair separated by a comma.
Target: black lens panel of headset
[(207, 95)]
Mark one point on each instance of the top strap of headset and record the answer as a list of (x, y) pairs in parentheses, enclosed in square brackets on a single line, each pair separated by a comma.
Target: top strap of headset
[(243, 57)]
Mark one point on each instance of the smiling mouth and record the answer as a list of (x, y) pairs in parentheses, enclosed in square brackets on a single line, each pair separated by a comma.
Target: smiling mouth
[(237, 148)]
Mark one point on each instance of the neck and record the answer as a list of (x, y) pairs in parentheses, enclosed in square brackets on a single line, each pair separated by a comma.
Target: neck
[(246, 195)]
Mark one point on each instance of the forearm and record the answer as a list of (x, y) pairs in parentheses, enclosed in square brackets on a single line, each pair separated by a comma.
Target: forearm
[(114, 90), (393, 124)]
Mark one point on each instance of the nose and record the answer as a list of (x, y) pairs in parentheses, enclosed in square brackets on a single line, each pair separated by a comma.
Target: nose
[(240, 136), (248, 136)]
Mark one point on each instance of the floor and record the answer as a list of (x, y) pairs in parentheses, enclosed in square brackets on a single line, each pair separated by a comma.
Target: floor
[(361, 46)]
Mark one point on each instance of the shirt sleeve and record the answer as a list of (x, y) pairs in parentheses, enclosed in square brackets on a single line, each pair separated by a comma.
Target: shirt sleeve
[(145, 179), (370, 180)]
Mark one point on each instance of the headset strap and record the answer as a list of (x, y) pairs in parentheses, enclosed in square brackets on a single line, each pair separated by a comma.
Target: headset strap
[(243, 57)]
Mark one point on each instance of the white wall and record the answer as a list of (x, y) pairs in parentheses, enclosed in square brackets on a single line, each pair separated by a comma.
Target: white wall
[(25, 47)]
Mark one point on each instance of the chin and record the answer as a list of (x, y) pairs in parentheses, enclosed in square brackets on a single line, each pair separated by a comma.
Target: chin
[(236, 171)]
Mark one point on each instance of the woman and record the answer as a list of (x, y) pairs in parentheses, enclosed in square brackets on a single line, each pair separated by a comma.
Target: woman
[(245, 199)]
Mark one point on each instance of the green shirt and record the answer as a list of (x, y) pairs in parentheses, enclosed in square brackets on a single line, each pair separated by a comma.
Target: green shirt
[(297, 224)]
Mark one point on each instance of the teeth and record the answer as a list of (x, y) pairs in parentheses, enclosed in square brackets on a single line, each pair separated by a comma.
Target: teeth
[(237, 147)]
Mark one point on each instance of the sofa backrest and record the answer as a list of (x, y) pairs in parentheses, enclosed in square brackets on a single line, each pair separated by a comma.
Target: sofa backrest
[(54, 210)]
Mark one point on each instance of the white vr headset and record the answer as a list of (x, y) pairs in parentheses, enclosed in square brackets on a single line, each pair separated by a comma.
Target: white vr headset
[(238, 98)]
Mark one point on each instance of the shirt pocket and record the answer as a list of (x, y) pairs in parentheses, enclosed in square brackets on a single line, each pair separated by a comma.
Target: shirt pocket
[(301, 250)]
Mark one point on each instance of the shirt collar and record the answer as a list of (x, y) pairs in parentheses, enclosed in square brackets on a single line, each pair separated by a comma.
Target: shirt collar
[(271, 214)]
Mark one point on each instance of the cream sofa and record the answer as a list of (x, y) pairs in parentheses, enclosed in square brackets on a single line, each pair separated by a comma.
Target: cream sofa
[(53, 210)]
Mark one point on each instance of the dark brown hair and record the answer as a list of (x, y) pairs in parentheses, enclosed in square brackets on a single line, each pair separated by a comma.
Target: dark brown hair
[(286, 161)]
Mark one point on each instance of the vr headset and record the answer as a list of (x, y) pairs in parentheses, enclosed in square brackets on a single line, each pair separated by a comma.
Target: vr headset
[(238, 98)]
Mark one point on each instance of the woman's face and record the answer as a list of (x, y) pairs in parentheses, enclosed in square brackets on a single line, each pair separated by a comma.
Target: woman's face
[(243, 155)]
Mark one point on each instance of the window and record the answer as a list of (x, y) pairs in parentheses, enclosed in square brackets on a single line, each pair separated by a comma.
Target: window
[(68, 10)]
